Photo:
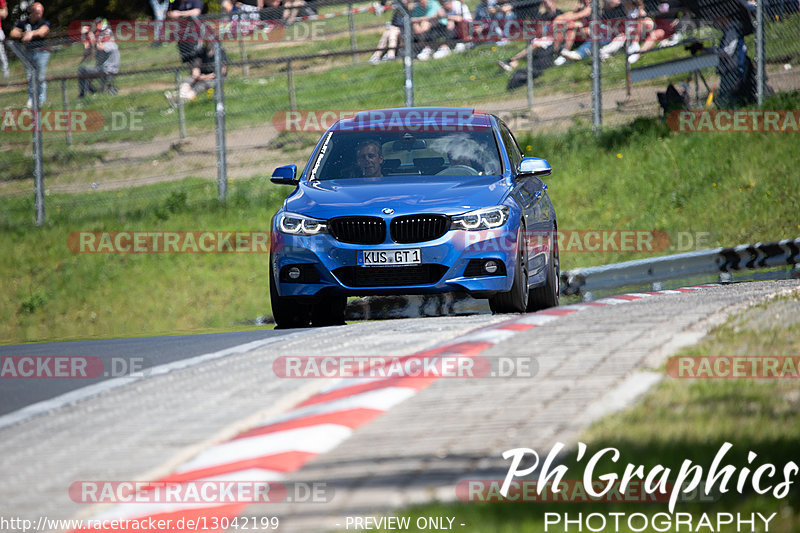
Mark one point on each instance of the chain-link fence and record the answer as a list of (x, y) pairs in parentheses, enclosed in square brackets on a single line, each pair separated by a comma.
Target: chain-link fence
[(151, 123)]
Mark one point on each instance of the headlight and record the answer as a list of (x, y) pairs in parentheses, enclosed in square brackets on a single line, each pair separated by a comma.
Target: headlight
[(486, 218), (295, 224)]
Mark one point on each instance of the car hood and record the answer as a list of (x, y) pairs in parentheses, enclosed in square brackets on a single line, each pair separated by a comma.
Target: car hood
[(405, 194)]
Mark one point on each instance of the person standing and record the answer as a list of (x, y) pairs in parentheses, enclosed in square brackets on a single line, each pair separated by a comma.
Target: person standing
[(187, 12), (159, 8), (3, 58), (32, 31)]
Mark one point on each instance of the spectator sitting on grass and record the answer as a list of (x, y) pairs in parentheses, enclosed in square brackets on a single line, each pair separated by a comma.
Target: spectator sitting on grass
[(565, 28), (424, 19), (98, 41), (245, 13), (202, 78), (291, 10), (638, 27), (454, 14), (664, 29), (613, 11), (390, 38), (549, 13)]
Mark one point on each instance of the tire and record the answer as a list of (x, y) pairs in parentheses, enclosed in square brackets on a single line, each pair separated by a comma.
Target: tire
[(287, 312), (548, 294), (515, 300), (329, 311)]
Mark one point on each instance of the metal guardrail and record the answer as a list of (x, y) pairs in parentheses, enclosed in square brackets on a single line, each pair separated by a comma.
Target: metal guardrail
[(681, 266)]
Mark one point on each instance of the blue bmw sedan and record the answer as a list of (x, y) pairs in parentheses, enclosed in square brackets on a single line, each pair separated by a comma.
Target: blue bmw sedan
[(413, 201)]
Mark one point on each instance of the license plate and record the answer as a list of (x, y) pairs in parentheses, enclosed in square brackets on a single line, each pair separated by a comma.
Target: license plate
[(389, 257)]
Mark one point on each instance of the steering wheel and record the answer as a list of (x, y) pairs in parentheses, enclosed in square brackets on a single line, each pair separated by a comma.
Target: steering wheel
[(458, 170)]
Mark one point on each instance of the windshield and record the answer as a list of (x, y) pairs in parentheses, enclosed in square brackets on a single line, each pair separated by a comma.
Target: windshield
[(347, 154)]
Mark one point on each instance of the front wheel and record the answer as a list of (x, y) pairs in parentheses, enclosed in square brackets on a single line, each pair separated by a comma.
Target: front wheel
[(287, 312), (515, 300)]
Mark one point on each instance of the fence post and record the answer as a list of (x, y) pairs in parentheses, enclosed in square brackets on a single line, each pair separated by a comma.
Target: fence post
[(761, 55), (628, 82), (352, 23), (529, 74), (38, 169), (66, 109), (181, 119), (245, 65), (219, 101), (597, 100), (290, 82), (408, 59)]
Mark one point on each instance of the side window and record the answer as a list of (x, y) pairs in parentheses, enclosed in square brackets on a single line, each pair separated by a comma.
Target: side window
[(512, 149)]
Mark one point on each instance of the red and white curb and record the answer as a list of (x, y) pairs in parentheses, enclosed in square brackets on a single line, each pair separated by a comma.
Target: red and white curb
[(283, 444)]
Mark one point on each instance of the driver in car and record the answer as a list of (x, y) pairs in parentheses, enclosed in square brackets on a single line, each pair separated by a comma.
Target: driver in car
[(369, 157)]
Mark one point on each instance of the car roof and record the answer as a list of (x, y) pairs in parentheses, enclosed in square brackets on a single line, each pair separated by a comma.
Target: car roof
[(401, 118)]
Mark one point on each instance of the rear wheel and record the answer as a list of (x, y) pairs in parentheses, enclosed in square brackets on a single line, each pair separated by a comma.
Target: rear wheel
[(287, 312), (548, 294), (515, 300)]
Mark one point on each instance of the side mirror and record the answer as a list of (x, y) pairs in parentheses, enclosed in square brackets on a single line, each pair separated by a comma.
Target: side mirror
[(285, 175), (533, 166)]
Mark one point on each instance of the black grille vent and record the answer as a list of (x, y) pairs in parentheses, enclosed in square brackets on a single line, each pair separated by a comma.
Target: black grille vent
[(397, 276), (418, 228), (358, 230)]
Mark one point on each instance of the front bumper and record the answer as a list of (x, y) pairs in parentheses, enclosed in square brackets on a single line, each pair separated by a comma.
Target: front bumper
[(449, 255)]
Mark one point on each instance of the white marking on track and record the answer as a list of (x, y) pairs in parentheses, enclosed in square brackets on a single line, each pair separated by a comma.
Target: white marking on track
[(319, 438)]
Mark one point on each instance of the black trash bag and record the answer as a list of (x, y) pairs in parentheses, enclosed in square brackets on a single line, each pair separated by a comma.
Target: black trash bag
[(542, 60), (672, 100)]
